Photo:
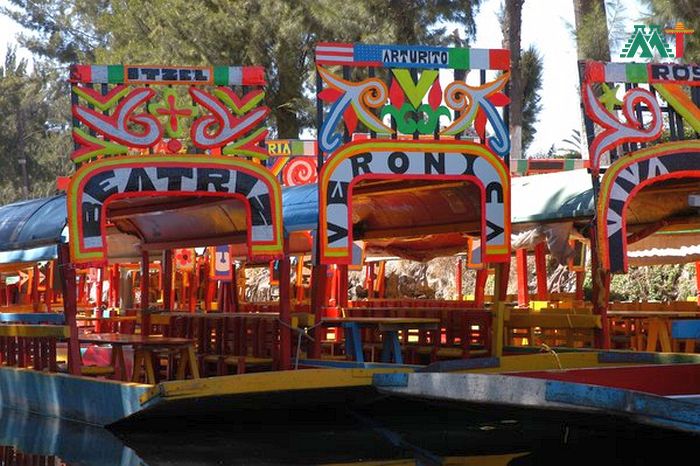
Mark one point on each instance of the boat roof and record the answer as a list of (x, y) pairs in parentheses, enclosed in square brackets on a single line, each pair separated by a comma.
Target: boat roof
[(394, 218)]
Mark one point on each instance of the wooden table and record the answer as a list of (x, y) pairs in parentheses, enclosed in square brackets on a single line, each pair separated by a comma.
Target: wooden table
[(658, 331), (388, 326), (144, 349), (203, 323)]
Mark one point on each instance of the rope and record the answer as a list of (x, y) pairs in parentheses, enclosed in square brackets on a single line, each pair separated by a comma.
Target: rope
[(303, 332), (546, 348)]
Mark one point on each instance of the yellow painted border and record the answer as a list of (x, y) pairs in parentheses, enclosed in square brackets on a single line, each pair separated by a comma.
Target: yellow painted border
[(611, 175), (446, 146), (73, 195)]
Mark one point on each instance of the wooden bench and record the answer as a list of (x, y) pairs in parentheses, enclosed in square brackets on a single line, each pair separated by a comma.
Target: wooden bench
[(31, 345), (567, 327)]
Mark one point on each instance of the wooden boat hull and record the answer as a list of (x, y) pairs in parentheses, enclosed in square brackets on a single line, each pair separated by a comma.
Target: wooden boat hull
[(661, 395)]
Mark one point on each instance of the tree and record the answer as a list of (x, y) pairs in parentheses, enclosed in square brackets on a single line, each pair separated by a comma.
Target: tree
[(532, 66), (592, 34), (687, 11), (34, 144), (277, 34), (511, 24)]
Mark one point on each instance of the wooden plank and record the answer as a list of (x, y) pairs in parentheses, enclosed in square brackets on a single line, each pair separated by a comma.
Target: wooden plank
[(553, 320), (34, 330)]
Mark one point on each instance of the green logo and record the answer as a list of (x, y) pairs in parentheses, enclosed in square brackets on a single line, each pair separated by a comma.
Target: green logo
[(646, 39)]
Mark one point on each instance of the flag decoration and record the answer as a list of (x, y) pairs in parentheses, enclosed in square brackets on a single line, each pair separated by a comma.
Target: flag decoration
[(220, 263), (184, 259)]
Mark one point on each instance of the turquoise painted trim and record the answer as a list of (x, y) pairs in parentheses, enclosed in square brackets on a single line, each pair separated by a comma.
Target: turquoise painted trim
[(74, 443), (390, 380), (38, 318), (651, 409), (81, 399)]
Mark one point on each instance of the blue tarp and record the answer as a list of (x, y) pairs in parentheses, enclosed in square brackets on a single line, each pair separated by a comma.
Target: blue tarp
[(30, 230), (300, 207)]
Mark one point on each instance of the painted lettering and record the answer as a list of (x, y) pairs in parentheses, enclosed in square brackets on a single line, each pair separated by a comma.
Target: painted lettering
[(216, 177), (360, 164), (398, 163)]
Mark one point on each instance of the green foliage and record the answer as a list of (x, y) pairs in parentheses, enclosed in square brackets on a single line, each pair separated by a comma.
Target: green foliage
[(277, 34), (600, 26), (33, 130), (657, 283), (532, 64)]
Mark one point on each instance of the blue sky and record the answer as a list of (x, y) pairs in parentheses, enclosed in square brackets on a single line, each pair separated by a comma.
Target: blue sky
[(544, 25)]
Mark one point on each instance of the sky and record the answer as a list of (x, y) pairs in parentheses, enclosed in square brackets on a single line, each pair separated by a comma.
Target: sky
[(544, 25)]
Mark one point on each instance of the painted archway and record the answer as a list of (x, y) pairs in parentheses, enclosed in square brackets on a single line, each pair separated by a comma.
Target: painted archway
[(96, 184), (433, 160), (624, 179)]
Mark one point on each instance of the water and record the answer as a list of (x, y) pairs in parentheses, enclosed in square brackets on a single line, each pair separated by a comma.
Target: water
[(391, 433)]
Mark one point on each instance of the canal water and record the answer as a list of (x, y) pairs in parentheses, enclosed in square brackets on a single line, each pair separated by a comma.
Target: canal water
[(392, 433)]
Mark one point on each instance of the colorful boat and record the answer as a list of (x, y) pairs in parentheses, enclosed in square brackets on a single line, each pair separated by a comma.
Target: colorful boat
[(170, 159)]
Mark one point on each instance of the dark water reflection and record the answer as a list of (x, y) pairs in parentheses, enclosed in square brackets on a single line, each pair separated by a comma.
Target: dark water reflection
[(391, 433)]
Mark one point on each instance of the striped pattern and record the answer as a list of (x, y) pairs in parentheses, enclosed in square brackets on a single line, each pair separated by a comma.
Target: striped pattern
[(239, 76), (97, 74), (402, 56), (291, 147), (115, 74), (335, 54), (600, 72)]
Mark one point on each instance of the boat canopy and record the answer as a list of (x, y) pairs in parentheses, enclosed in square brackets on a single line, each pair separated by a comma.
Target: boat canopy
[(30, 230)]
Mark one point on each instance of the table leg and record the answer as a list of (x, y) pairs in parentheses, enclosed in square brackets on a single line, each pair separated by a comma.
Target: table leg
[(664, 336), (182, 366), (353, 342), (653, 335), (192, 358), (148, 363), (117, 363), (138, 360), (392, 347)]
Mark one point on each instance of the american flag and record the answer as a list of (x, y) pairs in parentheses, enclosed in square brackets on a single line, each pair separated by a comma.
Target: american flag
[(328, 53)]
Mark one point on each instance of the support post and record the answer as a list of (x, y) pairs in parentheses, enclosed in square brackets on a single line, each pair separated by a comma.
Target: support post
[(285, 310), (145, 316), (70, 307), (541, 270), (458, 280), (580, 277), (318, 287), (521, 269), (35, 288), (500, 290), (167, 279), (600, 279), (343, 286), (300, 279), (480, 287), (697, 281), (99, 287), (49, 296)]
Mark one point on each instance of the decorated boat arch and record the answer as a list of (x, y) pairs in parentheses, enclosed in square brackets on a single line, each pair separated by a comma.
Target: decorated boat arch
[(647, 138), (140, 137), (411, 117)]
